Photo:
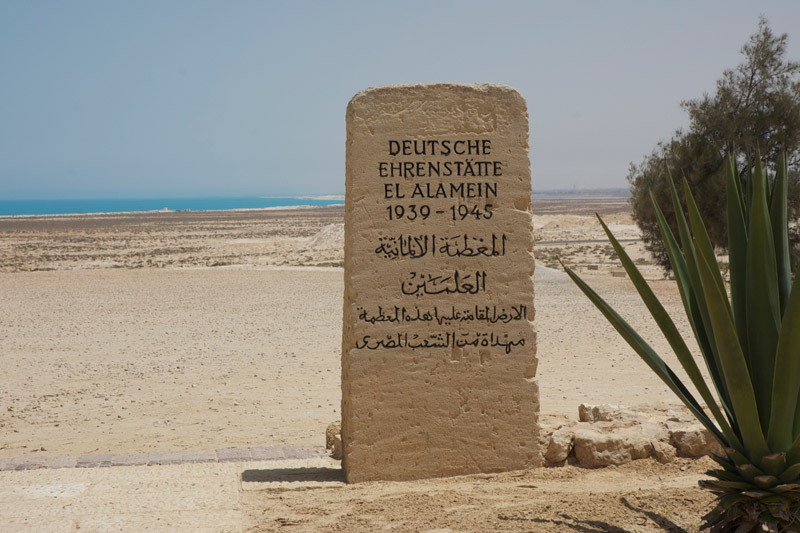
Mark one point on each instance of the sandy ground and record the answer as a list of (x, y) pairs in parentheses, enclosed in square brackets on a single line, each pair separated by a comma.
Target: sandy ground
[(171, 239), (309, 496), (647, 497), (173, 331)]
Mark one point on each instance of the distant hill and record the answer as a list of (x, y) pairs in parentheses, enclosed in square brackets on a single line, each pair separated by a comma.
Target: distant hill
[(615, 192)]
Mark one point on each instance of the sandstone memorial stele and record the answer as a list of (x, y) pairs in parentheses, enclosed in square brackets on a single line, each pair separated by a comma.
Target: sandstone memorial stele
[(439, 348)]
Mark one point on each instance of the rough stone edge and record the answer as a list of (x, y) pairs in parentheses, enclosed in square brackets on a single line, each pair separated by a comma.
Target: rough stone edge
[(613, 421), (477, 87)]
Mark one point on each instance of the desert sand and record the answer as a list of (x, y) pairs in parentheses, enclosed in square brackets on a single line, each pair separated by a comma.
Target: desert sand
[(194, 331)]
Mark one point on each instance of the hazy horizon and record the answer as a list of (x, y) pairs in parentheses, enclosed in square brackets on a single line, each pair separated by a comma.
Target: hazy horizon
[(310, 196), (210, 99)]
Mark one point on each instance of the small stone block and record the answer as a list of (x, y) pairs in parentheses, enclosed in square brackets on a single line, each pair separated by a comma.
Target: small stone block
[(663, 452), (130, 459), (199, 456), (165, 458), (233, 454), (94, 460), (267, 453), (64, 461), (303, 452), (23, 463), (30, 463)]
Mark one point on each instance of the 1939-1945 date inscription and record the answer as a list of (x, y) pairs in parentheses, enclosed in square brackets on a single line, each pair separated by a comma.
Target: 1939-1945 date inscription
[(453, 212)]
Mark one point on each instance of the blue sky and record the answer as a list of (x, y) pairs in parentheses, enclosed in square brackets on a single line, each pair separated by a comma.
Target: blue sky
[(192, 98)]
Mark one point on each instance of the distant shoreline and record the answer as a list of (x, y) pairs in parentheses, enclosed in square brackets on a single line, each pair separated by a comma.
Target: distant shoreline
[(565, 194), (173, 211), (105, 207), (78, 207)]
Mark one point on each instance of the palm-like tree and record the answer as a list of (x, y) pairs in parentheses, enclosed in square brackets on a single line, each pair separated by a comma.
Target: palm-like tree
[(750, 344)]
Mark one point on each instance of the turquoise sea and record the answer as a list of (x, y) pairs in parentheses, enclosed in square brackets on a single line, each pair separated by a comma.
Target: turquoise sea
[(119, 205)]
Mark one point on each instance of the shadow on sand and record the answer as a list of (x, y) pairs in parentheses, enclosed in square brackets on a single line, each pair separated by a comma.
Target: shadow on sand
[(298, 475), (664, 523), (584, 526), (596, 526)]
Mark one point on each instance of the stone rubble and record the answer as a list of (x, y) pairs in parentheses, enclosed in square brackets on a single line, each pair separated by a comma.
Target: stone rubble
[(333, 439), (612, 435), (560, 445)]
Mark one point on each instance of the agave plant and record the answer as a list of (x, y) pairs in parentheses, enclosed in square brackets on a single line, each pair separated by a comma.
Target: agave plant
[(749, 342)]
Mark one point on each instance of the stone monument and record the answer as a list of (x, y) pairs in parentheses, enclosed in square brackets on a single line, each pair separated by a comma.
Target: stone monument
[(439, 349)]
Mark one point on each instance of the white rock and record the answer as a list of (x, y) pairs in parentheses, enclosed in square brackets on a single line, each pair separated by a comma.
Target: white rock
[(333, 439), (585, 413), (693, 440), (560, 445), (663, 452), (594, 448), (610, 413)]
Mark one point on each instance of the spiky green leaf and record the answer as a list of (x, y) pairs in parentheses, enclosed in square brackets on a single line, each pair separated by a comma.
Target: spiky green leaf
[(736, 374), (780, 231), (791, 474), (672, 335), (767, 481), (793, 455), (724, 475), (737, 251), (763, 305), (702, 242), (676, 259), (774, 463), (699, 318), (786, 378), (738, 485), (647, 354), (748, 470)]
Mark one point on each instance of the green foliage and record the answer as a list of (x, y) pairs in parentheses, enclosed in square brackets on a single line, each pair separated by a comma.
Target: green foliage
[(749, 342), (755, 106)]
